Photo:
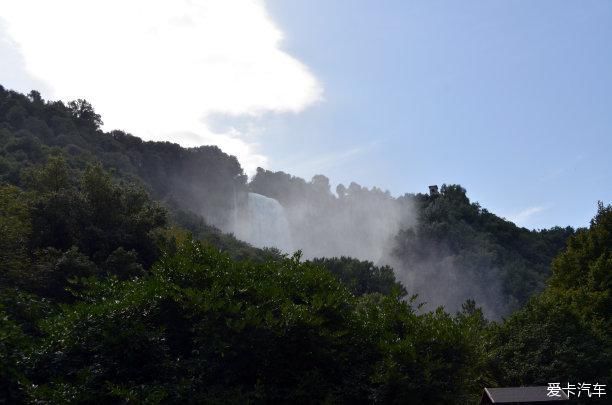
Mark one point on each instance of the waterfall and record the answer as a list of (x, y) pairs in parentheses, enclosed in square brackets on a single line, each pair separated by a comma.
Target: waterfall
[(234, 222), (263, 223)]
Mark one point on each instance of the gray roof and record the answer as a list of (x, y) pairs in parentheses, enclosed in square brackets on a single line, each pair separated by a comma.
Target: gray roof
[(522, 394)]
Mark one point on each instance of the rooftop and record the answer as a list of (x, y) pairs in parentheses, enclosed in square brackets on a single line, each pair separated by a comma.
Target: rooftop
[(519, 395)]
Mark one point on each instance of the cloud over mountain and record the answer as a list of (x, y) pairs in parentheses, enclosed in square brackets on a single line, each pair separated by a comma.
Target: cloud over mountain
[(175, 63)]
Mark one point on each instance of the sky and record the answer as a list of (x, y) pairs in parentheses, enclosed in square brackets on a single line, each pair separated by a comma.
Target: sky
[(511, 99)]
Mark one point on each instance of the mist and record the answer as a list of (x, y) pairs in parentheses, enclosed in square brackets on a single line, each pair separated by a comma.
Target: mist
[(442, 280), (290, 214), (354, 221)]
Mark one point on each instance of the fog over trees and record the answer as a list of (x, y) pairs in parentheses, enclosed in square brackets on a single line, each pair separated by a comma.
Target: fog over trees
[(123, 278), (442, 246)]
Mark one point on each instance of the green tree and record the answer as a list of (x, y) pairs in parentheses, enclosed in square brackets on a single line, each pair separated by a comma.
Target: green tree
[(13, 346), (582, 274), (565, 333), (204, 328), (84, 113), (362, 277), (15, 228)]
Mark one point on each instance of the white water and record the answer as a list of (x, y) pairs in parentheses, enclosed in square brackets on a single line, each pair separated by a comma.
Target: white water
[(263, 223)]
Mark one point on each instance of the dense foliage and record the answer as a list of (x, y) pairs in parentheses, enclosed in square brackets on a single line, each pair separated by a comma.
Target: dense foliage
[(489, 258), (471, 252), (502, 265), (362, 277), (107, 296), (199, 179), (64, 228), (565, 333), (84, 320)]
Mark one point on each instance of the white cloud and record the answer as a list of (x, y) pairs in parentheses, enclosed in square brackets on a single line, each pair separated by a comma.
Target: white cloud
[(159, 68), (523, 217), (307, 166)]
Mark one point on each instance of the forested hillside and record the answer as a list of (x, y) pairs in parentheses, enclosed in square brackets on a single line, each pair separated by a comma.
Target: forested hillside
[(468, 251), (471, 251), (116, 287), (443, 236), (198, 179)]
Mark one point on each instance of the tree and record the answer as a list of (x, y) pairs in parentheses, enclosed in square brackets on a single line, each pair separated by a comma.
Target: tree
[(15, 231), (13, 344), (565, 333), (52, 177), (204, 328), (582, 273), (85, 114), (362, 277)]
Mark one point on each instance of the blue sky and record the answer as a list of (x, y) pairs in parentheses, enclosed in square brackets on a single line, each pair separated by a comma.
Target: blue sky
[(511, 99)]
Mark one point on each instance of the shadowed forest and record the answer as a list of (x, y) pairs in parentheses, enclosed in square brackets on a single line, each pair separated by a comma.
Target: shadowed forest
[(123, 278)]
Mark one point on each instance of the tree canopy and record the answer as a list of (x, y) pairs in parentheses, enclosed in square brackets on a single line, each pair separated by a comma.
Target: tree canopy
[(116, 287)]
